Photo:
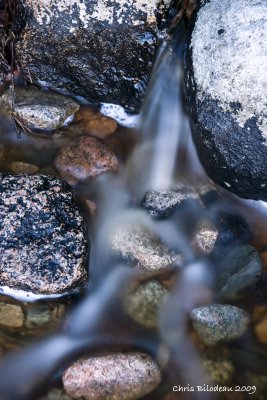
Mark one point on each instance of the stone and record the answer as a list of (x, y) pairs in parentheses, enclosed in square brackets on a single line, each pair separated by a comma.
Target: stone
[(143, 304), (40, 109), (226, 84), (18, 167), (11, 316), (217, 323), (117, 376), (37, 316), (259, 383), (43, 241), (261, 328), (85, 158), (55, 394), (141, 249), (92, 122), (239, 270), (205, 237), (117, 45), (220, 371)]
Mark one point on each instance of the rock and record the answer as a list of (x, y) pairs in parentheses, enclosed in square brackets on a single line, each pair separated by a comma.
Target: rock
[(43, 244), (140, 248), (205, 237), (260, 385), (56, 394), (239, 270), (143, 304), (216, 322), (38, 316), (123, 376), (220, 371), (260, 315), (40, 109), (117, 44), (92, 122), (85, 158), (226, 89), (11, 316), (18, 167)]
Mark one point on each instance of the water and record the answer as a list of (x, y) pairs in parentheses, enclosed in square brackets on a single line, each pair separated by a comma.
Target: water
[(163, 157)]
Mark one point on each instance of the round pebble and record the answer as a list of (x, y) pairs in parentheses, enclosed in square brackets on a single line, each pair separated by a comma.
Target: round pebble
[(117, 376), (86, 158), (18, 167), (94, 123), (219, 323), (11, 316)]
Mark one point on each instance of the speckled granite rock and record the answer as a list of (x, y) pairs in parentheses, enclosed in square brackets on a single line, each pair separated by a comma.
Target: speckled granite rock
[(217, 322), (143, 304), (117, 376), (142, 249), (205, 237), (220, 371), (85, 158), (40, 109), (226, 85), (117, 43), (43, 245)]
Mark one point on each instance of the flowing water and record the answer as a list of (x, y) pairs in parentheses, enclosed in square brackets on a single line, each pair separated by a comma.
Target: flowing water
[(159, 155)]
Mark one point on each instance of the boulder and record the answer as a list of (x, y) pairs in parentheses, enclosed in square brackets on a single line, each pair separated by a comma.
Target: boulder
[(98, 49), (226, 84), (43, 243)]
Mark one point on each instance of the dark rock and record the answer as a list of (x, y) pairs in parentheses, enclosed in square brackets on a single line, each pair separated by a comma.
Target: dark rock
[(239, 270), (226, 90), (85, 158), (43, 246), (116, 46)]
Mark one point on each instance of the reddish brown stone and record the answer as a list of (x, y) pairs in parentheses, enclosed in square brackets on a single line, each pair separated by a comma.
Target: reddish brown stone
[(85, 158)]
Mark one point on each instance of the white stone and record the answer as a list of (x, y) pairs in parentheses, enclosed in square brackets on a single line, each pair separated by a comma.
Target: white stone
[(232, 66)]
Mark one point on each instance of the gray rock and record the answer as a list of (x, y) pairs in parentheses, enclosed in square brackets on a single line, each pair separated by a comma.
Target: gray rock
[(205, 237), (43, 244), (219, 323), (142, 249), (143, 304), (219, 370), (226, 86), (40, 109), (117, 376), (239, 270), (117, 42)]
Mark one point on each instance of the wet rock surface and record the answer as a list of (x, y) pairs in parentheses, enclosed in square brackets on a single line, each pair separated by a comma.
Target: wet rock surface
[(239, 270), (220, 370), (143, 304), (11, 316), (43, 246), (205, 237), (40, 109), (85, 158), (117, 42), (216, 322), (92, 122), (117, 376), (226, 87)]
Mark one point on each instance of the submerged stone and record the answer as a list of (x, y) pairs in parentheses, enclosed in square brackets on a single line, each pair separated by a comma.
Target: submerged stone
[(117, 44), (11, 316), (226, 85), (43, 243), (217, 323), (115, 376)]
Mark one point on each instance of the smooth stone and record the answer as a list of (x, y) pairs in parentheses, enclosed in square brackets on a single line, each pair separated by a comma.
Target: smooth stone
[(239, 270), (40, 109), (143, 304), (217, 323), (226, 85), (117, 45), (141, 249), (11, 316), (117, 376), (205, 237), (38, 316), (220, 371), (85, 158), (43, 246), (92, 122), (20, 167)]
